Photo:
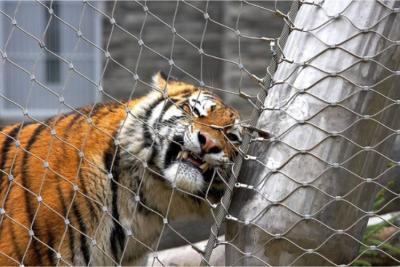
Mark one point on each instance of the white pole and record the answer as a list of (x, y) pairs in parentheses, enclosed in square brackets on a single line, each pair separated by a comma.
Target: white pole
[(332, 110)]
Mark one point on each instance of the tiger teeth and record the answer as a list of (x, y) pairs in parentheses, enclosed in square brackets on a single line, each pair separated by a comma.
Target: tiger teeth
[(185, 154), (204, 166)]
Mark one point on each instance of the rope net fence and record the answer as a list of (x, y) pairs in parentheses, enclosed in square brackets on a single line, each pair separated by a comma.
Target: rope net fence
[(314, 181)]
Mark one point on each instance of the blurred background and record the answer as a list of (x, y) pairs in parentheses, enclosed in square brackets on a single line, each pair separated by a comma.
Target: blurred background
[(73, 48)]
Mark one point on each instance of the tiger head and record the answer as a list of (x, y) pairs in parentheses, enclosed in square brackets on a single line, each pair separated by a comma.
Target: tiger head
[(186, 134)]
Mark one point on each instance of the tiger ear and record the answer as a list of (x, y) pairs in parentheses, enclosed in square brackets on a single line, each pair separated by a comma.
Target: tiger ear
[(160, 80)]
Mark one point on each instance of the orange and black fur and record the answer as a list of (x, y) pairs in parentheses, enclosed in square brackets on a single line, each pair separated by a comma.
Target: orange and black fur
[(95, 186)]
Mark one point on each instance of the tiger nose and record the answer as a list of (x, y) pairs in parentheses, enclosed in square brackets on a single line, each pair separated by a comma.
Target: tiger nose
[(207, 144)]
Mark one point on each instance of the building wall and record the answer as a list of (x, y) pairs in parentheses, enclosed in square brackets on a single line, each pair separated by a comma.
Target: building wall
[(220, 41)]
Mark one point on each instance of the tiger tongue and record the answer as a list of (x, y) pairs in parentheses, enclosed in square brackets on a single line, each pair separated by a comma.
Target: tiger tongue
[(185, 155), (194, 161)]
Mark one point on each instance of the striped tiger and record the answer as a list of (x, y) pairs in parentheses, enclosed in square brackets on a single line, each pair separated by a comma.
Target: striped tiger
[(97, 186)]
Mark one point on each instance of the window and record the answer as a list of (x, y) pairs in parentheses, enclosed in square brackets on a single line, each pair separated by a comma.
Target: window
[(52, 42), (50, 66)]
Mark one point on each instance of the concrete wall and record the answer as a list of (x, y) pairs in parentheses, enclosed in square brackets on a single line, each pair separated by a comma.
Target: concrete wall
[(219, 41)]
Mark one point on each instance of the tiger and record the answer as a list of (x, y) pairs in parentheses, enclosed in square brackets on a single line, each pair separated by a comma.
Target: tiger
[(98, 185)]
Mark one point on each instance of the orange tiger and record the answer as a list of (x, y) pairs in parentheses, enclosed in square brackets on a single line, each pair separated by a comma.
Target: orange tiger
[(96, 186)]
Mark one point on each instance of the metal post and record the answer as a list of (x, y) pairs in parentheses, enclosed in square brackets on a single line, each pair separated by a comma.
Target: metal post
[(332, 111)]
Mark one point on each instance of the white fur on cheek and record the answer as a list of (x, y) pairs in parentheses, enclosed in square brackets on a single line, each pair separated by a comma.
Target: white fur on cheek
[(185, 177)]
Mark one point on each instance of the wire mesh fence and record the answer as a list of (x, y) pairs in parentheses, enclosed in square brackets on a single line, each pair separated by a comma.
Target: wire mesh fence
[(314, 180)]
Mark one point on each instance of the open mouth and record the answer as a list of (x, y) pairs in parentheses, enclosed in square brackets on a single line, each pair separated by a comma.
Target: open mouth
[(193, 159), (189, 171)]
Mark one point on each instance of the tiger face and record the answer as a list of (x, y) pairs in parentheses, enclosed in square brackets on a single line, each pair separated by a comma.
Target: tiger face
[(202, 140), (187, 135)]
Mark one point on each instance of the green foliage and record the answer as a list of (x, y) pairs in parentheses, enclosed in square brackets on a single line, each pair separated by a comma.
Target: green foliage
[(387, 245), (385, 251), (380, 196), (361, 262)]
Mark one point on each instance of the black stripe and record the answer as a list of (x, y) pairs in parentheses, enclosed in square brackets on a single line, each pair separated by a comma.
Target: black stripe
[(75, 210), (94, 110), (70, 124), (50, 243), (14, 242), (67, 130), (142, 206), (117, 236), (71, 242), (172, 151), (197, 101), (82, 228), (64, 210), (171, 120), (170, 102), (9, 139), (209, 175), (216, 193), (25, 183), (148, 140), (88, 201)]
